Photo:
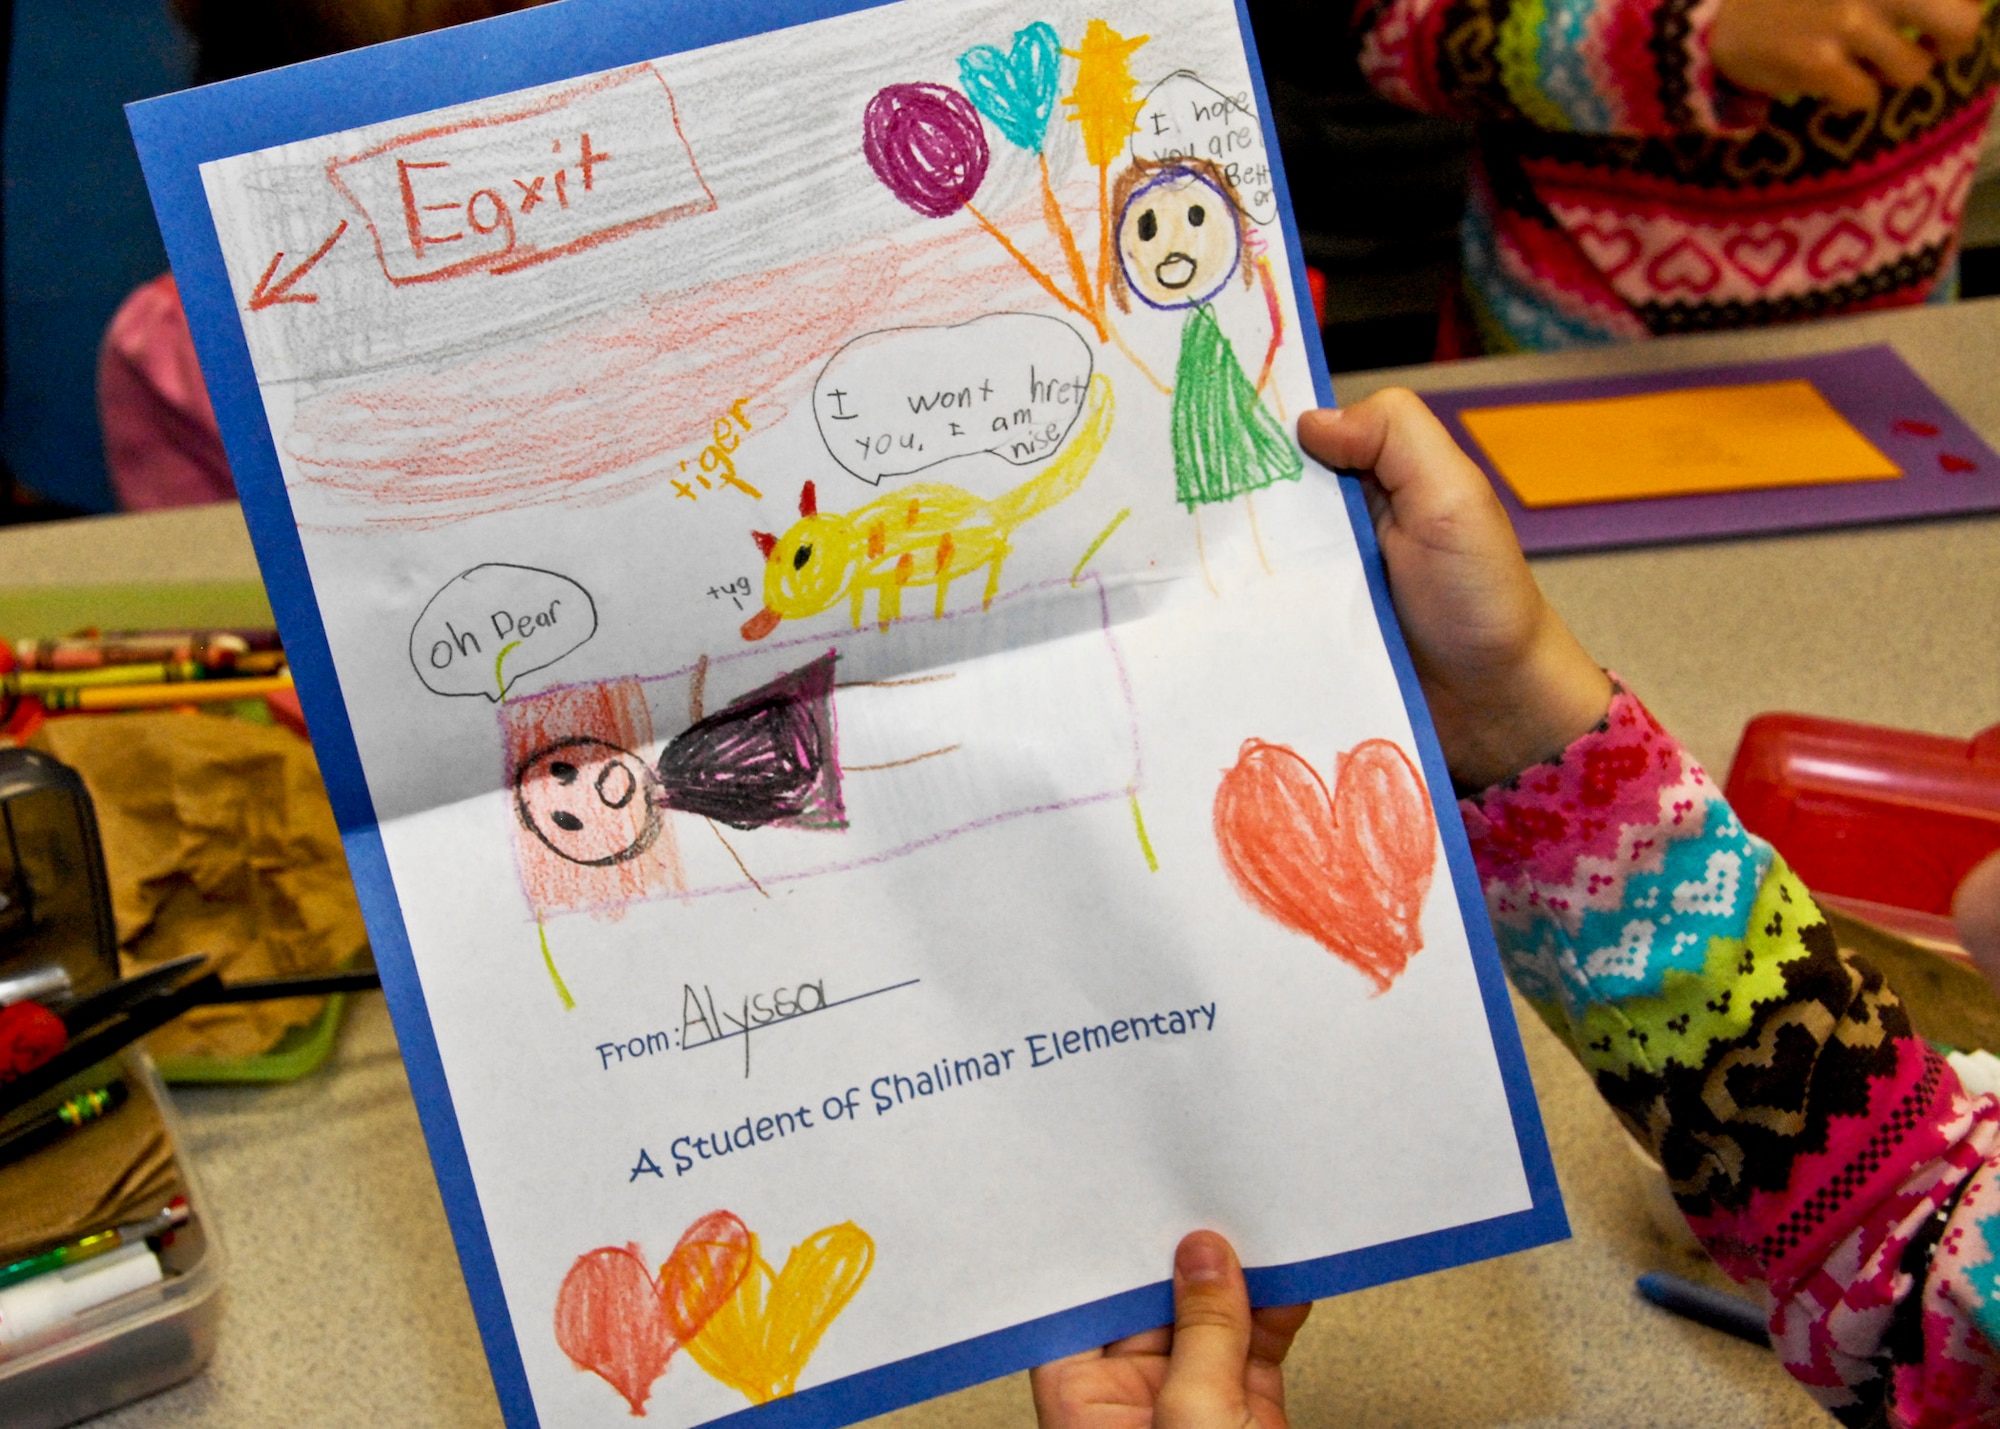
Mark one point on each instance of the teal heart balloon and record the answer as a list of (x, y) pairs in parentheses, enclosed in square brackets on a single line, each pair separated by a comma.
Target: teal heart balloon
[(1016, 90)]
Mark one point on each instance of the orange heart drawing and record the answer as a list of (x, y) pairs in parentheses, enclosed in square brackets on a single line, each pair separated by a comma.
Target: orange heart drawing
[(616, 1320), (1349, 869), (759, 1342)]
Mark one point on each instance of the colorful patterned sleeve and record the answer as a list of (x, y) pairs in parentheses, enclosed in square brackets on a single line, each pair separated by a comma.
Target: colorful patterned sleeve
[(1815, 1143), (1637, 67)]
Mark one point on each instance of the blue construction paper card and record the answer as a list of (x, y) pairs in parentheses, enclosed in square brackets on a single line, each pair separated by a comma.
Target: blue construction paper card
[(884, 787)]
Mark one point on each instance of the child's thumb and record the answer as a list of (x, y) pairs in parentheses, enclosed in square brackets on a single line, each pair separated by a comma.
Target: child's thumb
[(1204, 1385)]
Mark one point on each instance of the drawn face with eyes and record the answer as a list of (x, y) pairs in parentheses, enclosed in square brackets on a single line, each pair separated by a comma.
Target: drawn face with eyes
[(589, 801), (1178, 239)]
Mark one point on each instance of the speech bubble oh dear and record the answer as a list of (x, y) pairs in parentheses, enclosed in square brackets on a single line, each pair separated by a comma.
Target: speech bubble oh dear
[(493, 624)]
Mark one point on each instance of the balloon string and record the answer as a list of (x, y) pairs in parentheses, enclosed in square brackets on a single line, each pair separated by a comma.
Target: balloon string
[(1048, 284), (1052, 215)]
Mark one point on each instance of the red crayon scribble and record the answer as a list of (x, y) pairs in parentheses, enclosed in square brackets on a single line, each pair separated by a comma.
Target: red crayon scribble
[(1911, 427), (612, 1321), (616, 713), (577, 417), (1349, 870), (268, 294), (1952, 462), (615, 1319)]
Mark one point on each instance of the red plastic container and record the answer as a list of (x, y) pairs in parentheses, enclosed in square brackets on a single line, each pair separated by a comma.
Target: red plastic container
[(1881, 823)]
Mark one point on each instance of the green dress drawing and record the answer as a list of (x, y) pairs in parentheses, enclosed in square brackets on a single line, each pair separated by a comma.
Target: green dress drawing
[(1225, 441)]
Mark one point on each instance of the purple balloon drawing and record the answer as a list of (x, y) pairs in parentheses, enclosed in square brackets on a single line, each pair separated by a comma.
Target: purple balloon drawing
[(925, 143)]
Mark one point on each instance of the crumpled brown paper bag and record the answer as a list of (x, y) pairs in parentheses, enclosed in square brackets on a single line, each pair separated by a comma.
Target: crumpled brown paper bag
[(218, 840)]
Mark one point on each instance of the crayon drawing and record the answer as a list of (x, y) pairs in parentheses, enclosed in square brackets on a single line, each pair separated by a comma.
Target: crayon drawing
[(925, 143), (622, 1322), (1349, 869), (925, 535), (759, 1341), (760, 487), (890, 744), (766, 758), (1180, 240)]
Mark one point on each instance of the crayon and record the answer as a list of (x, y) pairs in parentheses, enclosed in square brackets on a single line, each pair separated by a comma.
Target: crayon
[(140, 697), (41, 682), (217, 649)]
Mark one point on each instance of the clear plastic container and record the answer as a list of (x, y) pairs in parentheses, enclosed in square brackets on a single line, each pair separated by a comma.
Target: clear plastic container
[(141, 1342)]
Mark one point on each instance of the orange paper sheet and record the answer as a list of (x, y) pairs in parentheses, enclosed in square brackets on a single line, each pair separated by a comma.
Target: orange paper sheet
[(1681, 443)]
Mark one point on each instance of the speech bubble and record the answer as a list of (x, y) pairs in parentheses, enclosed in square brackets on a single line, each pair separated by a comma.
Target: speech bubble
[(493, 624), (903, 399), (1185, 117)]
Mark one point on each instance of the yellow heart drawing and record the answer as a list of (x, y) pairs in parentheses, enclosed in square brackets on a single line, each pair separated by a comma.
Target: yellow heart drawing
[(758, 1343)]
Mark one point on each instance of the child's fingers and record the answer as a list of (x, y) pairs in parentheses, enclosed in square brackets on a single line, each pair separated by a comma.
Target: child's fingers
[(1876, 42), (1273, 1329), (1951, 24), (1432, 489), (1204, 1384), (1391, 434)]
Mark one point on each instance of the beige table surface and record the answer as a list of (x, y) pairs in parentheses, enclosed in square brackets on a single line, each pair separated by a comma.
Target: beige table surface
[(345, 1302)]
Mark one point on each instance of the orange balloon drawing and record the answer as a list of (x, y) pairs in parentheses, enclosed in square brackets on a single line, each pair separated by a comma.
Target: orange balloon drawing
[(615, 1319), (1348, 869)]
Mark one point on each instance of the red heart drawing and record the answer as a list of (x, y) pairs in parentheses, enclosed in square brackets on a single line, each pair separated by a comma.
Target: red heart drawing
[(1956, 463), (1348, 869), (616, 1320), (1911, 427), (1684, 264), (1762, 259)]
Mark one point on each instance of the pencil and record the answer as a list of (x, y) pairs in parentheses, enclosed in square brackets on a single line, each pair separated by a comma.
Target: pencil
[(140, 697)]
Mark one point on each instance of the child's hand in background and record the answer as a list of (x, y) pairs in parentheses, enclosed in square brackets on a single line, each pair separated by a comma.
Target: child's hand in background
[(1507, 683), (1976, 907), (1837, 50)]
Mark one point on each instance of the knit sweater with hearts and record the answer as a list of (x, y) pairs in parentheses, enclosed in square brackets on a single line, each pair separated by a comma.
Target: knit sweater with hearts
[(1622, 188), (1814, 1142)]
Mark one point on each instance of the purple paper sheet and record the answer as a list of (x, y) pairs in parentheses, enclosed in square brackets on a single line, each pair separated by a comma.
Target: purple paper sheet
[(1947, 471)]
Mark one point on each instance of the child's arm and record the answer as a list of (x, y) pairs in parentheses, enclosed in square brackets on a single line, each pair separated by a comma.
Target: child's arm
[(1815, 1143), (1648, 67)]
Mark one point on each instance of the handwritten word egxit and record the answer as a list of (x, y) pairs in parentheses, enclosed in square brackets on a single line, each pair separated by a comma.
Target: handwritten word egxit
[(495, 194)]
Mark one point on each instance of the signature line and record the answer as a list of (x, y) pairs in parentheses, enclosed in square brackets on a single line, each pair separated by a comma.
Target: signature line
[(797, 1016)]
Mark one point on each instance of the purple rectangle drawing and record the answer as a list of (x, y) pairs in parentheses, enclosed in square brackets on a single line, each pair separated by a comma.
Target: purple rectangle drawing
[(1947, 469)]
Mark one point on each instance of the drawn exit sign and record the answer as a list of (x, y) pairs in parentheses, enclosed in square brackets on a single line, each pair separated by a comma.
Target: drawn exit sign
[(579, 167)]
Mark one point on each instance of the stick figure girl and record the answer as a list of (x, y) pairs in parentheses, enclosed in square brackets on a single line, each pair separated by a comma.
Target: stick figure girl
[(1180, 241)]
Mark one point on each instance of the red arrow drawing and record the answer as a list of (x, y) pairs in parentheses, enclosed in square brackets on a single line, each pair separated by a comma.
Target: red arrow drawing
[(268, 294)]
